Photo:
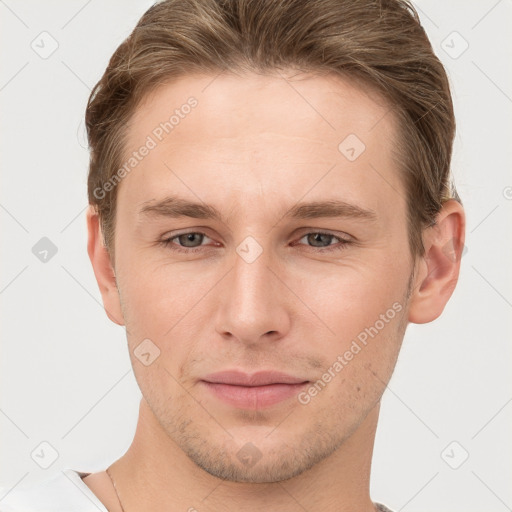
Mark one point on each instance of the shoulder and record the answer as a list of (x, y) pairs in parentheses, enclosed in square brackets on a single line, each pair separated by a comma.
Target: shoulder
[(62, 491)]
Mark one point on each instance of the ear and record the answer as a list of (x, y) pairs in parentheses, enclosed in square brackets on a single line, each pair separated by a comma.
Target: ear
[(438, 270), (105, 274)]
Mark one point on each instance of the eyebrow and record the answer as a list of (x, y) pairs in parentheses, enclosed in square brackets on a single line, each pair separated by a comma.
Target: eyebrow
[(176, 207)]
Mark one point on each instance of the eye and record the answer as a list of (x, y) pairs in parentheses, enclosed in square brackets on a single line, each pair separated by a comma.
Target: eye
[(323, 240), (187, 242), (191, 242)]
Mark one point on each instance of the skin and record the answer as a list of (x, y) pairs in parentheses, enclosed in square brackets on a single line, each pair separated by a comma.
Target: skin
[(253, 147)]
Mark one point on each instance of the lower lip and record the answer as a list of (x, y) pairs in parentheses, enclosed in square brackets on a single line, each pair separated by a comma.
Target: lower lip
[(254, 397)]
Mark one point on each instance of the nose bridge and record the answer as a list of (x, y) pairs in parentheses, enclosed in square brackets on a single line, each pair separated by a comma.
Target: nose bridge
[(251, 305), (251, 285)]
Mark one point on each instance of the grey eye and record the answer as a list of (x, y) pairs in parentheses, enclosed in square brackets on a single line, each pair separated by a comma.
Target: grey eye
[(319, 239), (189, 239)]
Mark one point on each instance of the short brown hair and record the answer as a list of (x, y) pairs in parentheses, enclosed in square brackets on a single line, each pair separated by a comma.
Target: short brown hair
[(377, 42)]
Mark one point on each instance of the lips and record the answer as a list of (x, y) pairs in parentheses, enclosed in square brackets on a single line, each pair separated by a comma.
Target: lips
[(237, 378), (256, 391)]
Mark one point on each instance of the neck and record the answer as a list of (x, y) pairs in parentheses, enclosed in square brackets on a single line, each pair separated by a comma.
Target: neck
[(155, 474)]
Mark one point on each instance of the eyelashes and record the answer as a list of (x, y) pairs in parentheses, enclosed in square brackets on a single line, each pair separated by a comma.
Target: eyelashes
[(168, 243)]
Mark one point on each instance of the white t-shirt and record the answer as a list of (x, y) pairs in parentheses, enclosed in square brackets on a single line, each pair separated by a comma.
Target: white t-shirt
[(64, 492)]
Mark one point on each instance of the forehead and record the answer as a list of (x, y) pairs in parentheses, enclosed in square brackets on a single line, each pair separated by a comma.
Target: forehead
[(261, 135), (300, 104)]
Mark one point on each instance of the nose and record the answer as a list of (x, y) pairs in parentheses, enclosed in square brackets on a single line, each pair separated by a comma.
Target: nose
[(253, 303)]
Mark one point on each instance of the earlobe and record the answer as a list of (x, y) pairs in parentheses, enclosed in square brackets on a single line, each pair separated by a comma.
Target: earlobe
[(438, 270), (102, 267)]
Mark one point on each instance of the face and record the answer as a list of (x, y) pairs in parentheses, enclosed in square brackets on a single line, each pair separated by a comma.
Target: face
[(304, 269)]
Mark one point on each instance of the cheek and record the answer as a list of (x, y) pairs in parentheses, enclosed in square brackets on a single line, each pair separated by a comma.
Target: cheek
[(163, 306), (361, 327), (357, 370), (348, 300), (155, 296), (160, 388)]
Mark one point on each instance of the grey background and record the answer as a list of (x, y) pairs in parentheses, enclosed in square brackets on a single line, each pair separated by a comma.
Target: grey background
[(65, 373)]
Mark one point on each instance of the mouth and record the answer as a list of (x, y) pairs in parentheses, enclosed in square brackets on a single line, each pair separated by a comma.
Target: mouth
[(256, 391)]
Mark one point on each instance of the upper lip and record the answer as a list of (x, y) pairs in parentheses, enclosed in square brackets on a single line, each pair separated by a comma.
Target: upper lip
[(239, 378)]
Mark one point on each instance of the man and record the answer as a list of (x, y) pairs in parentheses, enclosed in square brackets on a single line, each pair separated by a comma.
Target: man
[(270, 206)]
